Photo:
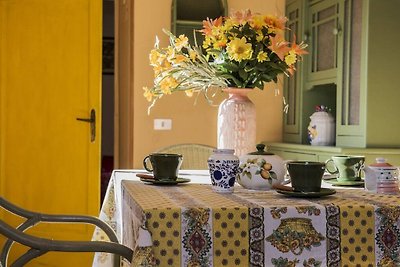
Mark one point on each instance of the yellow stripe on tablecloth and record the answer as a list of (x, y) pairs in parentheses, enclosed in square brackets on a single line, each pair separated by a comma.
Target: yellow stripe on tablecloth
[(230, 228), (165, 227), (357, 234), (163, 220)]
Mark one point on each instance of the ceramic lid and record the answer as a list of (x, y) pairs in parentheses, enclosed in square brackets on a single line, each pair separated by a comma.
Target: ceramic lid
[(381, 162), (261, 151)]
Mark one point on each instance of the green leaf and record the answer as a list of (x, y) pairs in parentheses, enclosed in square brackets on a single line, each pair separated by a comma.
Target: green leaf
[(266, 77), (249, 68), (230, 66), (235, 30), (236, 82), (261, 67), (260, 85), (243, 74)]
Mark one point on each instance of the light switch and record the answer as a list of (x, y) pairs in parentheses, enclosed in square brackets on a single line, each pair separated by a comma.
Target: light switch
[(162, 124)]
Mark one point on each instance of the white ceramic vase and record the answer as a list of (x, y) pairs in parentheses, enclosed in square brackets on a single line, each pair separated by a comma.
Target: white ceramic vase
[(321, 130), (237, 122)]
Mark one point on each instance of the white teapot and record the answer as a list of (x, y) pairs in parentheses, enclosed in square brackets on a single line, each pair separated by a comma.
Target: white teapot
[(260, 170), (381, 177)]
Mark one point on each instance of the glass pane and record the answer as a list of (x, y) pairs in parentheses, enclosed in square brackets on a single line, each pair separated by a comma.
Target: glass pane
[(293, 30), (293, 15), (188, 30), (352, 61), (326, 13), (199, 10), (326, 46)]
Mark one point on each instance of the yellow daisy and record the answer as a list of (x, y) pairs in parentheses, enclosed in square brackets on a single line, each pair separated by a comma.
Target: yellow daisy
[(167, 84), (155, 57), (179, 59), (262, 56), (239, 49), (193, 55), (258, 22), (207, 42), (148, 94), (259, 36), (290, 58), (220, 43), (181, 41)]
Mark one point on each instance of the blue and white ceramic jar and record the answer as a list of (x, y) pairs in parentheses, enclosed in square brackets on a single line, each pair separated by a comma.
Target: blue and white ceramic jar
[(224, 167)]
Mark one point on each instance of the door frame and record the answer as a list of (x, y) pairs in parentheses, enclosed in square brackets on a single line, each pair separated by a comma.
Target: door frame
[(123, 84)]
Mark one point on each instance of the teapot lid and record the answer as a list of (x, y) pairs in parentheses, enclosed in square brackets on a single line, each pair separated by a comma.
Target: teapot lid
[(260, 150), (381, 162)]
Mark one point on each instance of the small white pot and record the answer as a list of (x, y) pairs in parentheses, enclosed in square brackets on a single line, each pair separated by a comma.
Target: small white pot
[(381, 177)]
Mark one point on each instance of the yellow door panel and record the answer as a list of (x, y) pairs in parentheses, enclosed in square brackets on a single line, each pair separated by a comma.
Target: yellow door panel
[(50, 74)]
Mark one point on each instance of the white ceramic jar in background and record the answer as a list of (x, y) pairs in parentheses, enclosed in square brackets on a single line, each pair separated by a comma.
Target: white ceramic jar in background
[(260, 170), (321, 130), (223, 166)]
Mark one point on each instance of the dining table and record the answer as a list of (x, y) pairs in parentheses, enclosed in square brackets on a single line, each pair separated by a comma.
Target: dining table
[(189, 224)]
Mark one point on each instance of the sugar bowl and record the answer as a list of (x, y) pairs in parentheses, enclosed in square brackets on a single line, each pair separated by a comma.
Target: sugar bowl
[(260, 170), (382, 177)]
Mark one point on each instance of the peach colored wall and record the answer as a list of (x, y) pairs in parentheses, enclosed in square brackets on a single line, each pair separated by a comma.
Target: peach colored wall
[(191, 123)]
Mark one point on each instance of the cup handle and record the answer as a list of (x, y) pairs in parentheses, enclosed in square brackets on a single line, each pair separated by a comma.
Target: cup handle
[(327, 168), (145, 164), (360, 167), (286, 179)]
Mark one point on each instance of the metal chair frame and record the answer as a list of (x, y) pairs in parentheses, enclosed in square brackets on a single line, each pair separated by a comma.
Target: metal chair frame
[(39, 246)]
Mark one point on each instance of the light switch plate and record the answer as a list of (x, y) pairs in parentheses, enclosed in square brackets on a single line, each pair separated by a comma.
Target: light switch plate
[(162, 124)]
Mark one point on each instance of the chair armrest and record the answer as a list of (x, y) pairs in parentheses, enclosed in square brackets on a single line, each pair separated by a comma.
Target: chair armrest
[(35, 217), (40, 246)]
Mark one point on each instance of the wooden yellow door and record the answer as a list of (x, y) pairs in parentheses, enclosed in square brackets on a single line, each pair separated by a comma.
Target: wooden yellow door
[(50, 75)]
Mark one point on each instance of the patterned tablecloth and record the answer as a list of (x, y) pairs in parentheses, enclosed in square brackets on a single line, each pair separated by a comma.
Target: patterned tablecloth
[(111, 210), (190, 225)]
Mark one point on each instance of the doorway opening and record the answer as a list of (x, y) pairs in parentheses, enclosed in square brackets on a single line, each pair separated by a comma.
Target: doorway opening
[(107, 131)]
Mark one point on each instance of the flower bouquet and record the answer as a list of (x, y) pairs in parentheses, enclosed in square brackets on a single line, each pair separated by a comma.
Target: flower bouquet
[(244, 50)]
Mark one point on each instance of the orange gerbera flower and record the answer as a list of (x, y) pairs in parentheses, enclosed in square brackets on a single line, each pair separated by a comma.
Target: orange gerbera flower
[(299, 49), (275, 22), (279, 47), (209, 24)]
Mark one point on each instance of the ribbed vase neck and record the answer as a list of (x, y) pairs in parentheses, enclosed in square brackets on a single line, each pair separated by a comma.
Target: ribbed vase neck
[(237, 92)]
